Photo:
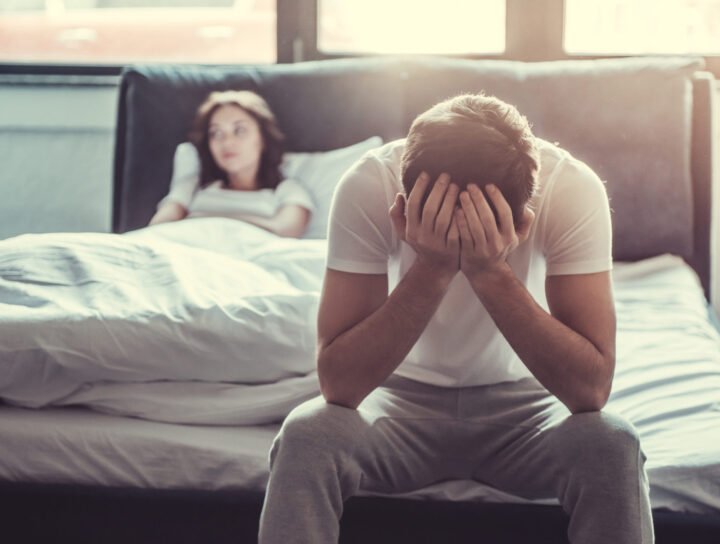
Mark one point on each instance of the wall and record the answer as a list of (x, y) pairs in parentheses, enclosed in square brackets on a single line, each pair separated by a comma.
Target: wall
[(56, 145)]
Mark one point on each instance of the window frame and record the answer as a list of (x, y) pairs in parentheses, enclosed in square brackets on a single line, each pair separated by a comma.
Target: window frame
[(534, 32)]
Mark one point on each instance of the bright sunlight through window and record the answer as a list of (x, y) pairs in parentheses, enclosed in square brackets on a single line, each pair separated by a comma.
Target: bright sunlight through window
[(409, 26), (122, 31), (608, 27)]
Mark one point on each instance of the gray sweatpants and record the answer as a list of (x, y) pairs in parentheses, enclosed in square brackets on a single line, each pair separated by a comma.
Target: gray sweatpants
[(406, 435)]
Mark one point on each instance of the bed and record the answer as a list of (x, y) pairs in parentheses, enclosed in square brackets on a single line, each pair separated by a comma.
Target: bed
[(111, 451)]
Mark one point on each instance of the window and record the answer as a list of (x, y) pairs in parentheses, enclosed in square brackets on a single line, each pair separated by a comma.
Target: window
[(616, 27), (122, 31), (409, 26)]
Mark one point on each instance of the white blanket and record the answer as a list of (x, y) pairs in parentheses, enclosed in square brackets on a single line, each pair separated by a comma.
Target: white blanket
[(199, 321)]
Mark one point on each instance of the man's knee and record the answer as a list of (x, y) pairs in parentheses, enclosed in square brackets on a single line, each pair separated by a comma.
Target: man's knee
[(592, 438), (316, 428)]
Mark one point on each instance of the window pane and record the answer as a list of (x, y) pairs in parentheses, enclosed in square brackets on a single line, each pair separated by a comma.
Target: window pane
[(410, 26), (642, 26), (123, 31)]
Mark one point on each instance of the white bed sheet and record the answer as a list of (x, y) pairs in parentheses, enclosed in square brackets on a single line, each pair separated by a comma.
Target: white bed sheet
[(207, 321), (667, 383)]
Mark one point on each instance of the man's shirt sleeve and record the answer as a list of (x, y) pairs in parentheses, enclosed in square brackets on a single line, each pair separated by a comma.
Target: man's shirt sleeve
[(359, 229), (577, 230)]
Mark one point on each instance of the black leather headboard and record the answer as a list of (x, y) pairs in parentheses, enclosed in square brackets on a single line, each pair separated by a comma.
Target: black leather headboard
[(319, 107), (642, 123)]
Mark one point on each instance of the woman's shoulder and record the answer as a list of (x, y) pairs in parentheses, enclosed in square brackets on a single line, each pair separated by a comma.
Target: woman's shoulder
[(289, 184), (187, 155)]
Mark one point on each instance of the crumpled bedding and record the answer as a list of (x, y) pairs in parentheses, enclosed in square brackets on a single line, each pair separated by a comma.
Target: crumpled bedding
[(667, 383), (208, 321)]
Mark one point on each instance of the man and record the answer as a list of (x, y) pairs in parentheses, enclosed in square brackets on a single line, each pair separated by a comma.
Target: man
[(468, 333)]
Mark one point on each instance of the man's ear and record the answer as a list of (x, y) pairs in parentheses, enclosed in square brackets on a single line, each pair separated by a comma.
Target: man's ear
[(523, 227), (397, 216)]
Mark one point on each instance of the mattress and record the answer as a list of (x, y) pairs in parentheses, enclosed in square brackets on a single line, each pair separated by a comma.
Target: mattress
[(667, 384)]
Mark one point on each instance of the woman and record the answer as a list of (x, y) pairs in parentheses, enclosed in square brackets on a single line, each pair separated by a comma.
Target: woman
[(239, 147)]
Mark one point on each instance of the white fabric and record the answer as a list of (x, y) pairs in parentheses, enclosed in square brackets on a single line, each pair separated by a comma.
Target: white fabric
[(75, 445), (320, 173), (216, 200), (667, 379), (571, 235), (310, 181), (194, 301), (667, 383), (198, 403), (185, 176)]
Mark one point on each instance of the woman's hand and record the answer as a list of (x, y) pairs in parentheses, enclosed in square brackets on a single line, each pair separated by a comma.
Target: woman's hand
[(170, 211), (430, 229), (486, 243), (290, 221)]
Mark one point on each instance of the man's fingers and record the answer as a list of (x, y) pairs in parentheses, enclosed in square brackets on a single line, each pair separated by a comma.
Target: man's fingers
[(504, 212), (466, 238), (484, 211), (453, 235), (445, 215), (475, 225), (415, 200), (397, 216), (434, 201)]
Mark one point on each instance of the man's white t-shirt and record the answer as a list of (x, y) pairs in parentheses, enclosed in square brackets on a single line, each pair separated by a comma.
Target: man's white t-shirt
[(461, 346), (215, 199)]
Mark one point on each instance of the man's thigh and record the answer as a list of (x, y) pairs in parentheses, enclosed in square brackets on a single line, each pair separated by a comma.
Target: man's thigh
[(522, 440), (398, 439)]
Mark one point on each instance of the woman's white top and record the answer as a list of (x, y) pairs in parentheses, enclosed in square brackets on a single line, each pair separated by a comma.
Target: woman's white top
[(215, 199)]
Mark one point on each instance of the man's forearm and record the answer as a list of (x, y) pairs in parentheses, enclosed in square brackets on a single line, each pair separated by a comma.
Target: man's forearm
[(360, 359), (565, 362)]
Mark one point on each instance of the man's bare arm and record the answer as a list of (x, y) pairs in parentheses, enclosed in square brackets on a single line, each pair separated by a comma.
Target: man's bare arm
[(570, 351), (357, 360), (364, 334)]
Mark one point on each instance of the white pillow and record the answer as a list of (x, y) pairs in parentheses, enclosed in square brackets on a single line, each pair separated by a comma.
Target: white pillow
[(320, 172)]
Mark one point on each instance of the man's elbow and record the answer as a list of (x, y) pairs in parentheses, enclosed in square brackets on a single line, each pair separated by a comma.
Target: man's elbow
[(597, 395), (333, 388), (337, 397), (593, 401)]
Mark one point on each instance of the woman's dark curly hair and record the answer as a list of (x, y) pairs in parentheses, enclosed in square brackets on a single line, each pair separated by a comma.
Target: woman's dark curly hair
[(269, 175)]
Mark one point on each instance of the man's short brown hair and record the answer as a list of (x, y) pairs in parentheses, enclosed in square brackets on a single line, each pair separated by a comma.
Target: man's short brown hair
[(476, 139)]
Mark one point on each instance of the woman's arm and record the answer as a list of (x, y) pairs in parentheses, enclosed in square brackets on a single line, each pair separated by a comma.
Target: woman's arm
[(289, 221), (170, 211)]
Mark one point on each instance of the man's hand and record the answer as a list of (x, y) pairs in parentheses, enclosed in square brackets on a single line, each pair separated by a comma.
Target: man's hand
[(431, 230), (486, 243)]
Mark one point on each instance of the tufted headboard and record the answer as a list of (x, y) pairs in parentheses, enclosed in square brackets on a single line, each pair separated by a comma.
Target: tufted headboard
[(643, 124)]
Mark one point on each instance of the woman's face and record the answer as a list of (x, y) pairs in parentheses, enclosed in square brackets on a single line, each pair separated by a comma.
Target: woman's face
[(235, 140)]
